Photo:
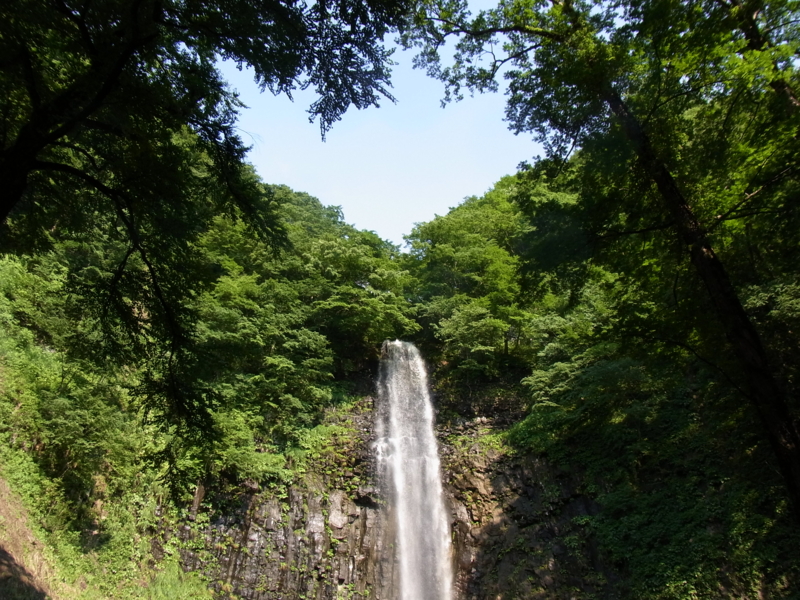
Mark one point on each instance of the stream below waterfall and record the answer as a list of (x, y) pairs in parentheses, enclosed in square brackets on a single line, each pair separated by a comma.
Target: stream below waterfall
[(408, 457)]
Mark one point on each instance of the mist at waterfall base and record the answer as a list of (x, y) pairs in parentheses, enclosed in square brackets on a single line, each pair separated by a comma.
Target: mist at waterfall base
[(408, 456)]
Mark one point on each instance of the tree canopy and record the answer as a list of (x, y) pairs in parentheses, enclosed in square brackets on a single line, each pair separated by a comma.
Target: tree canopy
[(686, 120), (118, 130), (94, 91)]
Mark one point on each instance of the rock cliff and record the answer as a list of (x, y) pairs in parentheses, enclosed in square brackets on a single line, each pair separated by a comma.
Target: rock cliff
[(517, 523), (516, 527)]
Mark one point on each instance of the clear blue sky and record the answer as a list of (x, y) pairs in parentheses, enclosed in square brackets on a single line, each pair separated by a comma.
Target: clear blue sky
[(388, 167)]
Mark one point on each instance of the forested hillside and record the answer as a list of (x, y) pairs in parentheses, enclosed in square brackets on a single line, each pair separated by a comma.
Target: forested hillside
[(275, 339), (676, 126), (611, 379), (579, 361), (658, 266), (177, 335)]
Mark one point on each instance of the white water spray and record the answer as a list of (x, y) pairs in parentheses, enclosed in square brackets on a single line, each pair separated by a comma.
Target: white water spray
[(409, 457)]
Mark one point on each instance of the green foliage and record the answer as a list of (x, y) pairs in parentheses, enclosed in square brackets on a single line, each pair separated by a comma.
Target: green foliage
[(672, 457), (671, 138), (191, 328), (275, 340), (667, 127), (466, 284), (173, 583), (623, 388), (118, 146)]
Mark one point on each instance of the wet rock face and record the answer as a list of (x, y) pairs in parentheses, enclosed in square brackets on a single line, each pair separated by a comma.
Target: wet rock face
[(516, 530), (325, 537), (309, 546), (518, 525)]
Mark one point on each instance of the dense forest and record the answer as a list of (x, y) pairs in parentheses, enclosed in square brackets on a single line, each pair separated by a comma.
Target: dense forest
[(174, 329)]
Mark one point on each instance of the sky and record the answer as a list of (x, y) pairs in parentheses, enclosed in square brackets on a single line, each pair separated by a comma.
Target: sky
[(388, 167)]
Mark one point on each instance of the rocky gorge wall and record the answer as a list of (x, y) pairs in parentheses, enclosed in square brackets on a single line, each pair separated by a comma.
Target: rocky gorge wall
[(518, 523), (516, 526)]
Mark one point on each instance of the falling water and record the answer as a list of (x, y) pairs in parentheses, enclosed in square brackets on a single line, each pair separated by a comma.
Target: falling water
[(409, 457)]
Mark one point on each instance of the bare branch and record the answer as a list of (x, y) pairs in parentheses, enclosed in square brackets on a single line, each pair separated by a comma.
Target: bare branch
[(612, 233)]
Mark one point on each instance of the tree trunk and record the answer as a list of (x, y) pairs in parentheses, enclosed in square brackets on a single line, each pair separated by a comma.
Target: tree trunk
[(15, 180), (764, 392), (16, 164)]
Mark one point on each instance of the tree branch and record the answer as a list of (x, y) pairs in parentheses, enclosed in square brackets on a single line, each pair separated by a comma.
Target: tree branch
[(30, 77), (457, 28), (725, 216), (80, 23), (635, 231), (176, 331), (79, 150), (498, 64)]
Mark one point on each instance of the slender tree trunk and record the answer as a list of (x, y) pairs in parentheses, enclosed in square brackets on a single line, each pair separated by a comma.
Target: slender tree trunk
[(764, 392), (14, 180), (16, 164)]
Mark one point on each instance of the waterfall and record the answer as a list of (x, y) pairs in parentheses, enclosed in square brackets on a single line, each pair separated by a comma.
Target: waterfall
[(409, 459)]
